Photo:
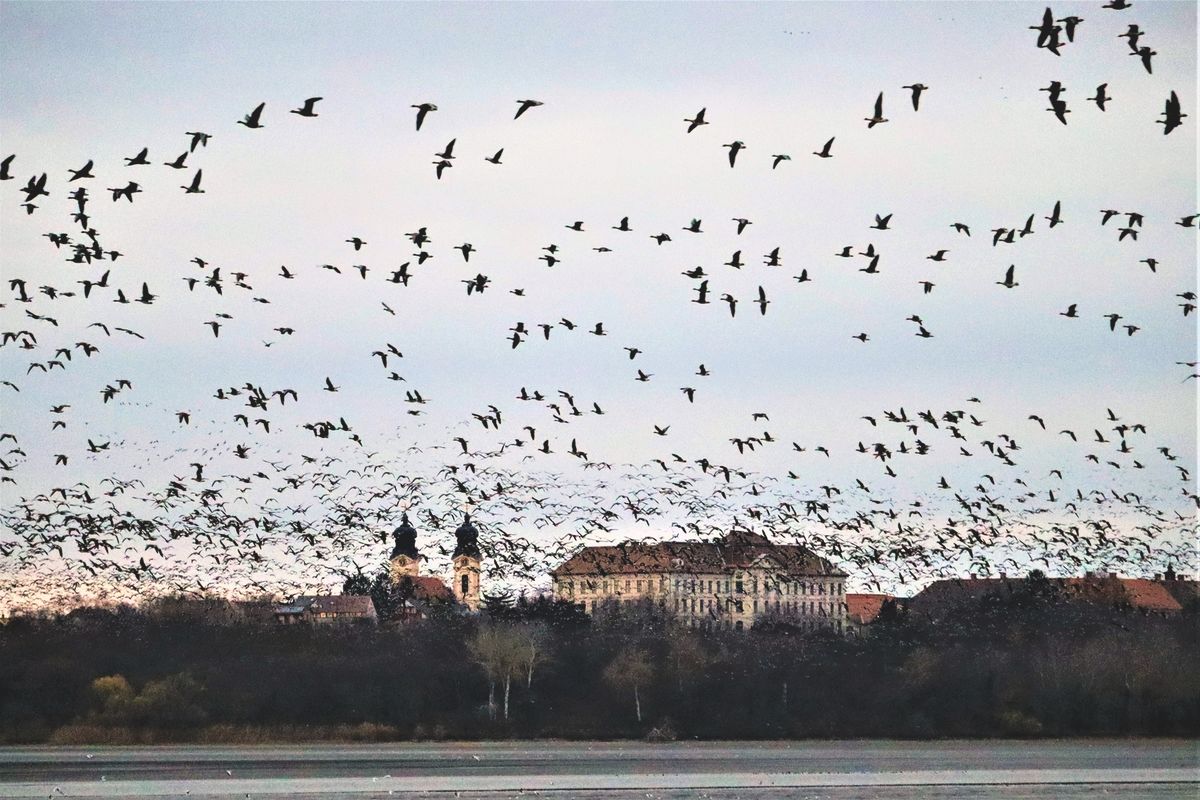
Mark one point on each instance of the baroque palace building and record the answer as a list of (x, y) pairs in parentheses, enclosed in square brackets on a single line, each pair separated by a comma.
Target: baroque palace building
[(731, 582)]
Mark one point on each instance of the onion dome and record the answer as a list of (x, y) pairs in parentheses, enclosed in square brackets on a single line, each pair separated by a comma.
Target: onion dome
[(467, 537), (406, 539)]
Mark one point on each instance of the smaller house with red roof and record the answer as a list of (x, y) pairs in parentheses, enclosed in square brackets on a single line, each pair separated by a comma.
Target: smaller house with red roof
[(863, 609), (944, 598), (327, 609)]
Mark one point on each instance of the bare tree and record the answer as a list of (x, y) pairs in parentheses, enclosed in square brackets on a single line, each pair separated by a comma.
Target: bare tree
[(630, 669), (534, 650), (500, 650)]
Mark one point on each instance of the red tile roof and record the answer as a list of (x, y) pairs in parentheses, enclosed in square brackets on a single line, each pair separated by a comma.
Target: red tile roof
[(738, 550), (428, 587), (1149, 595), (864, 608), (1146, 595)]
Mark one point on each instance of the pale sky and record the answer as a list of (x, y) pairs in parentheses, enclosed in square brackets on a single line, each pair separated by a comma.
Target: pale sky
[(101, 81)]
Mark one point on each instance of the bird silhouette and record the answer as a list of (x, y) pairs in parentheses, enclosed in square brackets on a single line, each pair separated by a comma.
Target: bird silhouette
[(308, 108), (253, 119), (422, 110), (877, 117), (525, 105), (916, 89), (735, 147), (1172, 114)]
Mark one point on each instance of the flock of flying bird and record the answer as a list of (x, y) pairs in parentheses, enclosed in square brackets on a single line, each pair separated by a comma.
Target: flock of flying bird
[(283, 522), (1049, 36)]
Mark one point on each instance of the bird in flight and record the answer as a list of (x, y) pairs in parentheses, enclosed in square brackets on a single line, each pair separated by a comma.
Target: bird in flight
[(1172, 114), (199, 139), (1145, 54), (1059, 107), (525, 105), (127, 191), (916, 90), (1008, 282), (194, 186), (824, 151), (697, 122), (734, 148), (1069, 25), (876, 118), (422, 110), (307, 110), (1048, 33), (252, 120), (84, 172)]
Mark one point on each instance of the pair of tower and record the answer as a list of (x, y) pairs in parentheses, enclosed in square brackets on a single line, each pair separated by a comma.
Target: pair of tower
[(405, 561)]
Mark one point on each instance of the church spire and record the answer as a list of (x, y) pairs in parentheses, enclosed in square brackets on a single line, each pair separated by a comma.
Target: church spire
[(406, 539), (467, 539), (468, 562), (405, 560)]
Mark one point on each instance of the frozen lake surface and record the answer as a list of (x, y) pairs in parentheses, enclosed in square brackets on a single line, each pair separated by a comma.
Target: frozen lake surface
[(853, 770)]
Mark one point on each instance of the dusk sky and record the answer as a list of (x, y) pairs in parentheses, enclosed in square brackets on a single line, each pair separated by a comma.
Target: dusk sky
[(102, 81)]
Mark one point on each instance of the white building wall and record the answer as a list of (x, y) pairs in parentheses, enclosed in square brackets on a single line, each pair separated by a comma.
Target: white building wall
[(726, 598)]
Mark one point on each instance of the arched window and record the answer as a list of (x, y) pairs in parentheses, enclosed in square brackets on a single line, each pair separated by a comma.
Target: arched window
[(466, 585)]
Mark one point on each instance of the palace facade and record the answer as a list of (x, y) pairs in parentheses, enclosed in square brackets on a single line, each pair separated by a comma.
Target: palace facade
[(732, 582)]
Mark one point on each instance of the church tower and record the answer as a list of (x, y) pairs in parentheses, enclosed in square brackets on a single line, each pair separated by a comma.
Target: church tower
[(405, 561), (467, 562)]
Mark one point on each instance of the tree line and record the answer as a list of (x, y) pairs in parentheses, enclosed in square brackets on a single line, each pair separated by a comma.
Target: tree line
[(178, 669)]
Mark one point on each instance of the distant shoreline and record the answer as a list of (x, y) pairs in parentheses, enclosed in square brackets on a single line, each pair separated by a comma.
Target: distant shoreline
[(264, 741)]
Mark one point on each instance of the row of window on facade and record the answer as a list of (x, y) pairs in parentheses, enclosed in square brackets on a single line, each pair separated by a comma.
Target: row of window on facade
[(694, 586), (704, 605)]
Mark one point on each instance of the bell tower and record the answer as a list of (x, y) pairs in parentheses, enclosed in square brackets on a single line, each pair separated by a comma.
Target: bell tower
[(467, 562), (405, 561)]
